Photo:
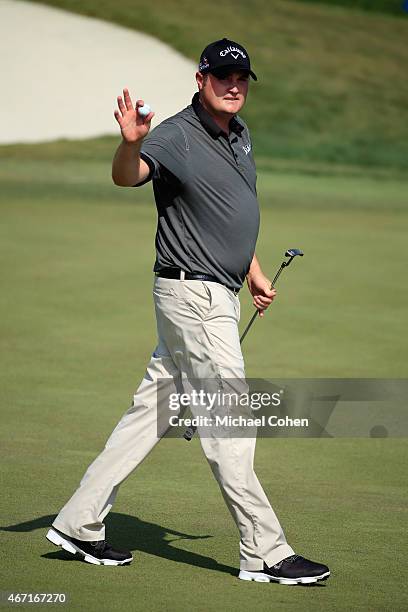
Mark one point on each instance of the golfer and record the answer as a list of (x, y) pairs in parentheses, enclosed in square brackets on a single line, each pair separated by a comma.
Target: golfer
[(204, 181)]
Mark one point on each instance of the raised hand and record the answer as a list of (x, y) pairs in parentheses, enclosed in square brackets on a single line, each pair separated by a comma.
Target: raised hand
[(133, 126)]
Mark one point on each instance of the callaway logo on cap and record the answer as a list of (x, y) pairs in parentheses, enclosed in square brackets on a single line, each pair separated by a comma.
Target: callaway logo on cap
[(225, 53)]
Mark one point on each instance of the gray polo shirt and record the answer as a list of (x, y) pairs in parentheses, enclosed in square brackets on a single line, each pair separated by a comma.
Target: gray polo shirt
[(204, 184)]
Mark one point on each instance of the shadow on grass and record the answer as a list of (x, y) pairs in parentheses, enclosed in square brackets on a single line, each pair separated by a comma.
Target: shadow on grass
[(131, 533)]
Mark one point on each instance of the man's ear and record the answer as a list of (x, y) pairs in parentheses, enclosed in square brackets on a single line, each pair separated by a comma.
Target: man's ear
[(200, 79)]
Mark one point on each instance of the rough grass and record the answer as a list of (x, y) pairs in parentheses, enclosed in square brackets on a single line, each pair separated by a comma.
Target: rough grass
[(395, 7), (332, 86)]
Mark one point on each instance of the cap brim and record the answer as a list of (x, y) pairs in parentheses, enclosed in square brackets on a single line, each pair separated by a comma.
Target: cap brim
[(232, 67)]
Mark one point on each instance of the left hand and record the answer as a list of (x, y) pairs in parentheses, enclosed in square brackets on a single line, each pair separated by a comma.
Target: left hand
[(260, 288)]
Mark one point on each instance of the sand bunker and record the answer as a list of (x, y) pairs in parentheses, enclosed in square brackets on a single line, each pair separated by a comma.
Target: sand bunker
[(61, 74)]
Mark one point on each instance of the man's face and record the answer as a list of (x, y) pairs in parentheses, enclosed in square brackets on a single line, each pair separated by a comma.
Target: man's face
[(224, 92)]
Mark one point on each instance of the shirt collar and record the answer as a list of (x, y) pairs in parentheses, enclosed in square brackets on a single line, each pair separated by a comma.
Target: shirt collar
[(208, 122)]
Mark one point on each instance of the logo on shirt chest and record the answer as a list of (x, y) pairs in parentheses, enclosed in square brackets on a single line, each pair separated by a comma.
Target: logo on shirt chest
[(247, 148)]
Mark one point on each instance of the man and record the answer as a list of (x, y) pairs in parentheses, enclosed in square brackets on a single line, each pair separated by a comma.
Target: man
[(204, 182)]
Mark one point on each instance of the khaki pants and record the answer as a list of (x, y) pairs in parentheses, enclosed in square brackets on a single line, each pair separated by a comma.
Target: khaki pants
[(197, 325)]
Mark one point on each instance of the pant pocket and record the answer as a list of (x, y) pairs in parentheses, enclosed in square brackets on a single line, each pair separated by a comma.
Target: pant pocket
[(164, 287), (197, 296)]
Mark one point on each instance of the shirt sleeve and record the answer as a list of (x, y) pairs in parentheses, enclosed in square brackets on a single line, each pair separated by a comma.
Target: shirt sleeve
[(167, 146), (153, 169)]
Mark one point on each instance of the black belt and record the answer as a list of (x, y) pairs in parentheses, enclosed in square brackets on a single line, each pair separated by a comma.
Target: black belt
[(178, 274)]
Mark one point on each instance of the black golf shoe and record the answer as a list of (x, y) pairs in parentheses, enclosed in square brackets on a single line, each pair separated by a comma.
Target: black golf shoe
[(98, 553), (292, 570)]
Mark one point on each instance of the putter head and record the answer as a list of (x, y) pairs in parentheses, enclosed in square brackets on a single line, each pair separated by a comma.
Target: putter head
[(293, 252)]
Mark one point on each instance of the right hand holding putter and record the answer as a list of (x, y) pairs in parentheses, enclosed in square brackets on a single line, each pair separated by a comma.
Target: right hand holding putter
[(134, 122)]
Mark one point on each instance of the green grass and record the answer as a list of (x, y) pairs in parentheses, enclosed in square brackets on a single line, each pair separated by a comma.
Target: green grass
[(332, 85), (77, 328), (67, 227), (341, 501)]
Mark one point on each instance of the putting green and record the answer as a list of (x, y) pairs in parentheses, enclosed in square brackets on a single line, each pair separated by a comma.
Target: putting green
[(77, 330)]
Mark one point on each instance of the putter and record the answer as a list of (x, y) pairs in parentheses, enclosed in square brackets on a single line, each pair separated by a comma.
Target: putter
[(291, 253)]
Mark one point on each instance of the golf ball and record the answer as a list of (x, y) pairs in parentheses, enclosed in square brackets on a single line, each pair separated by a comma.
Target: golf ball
[(144, 110)]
